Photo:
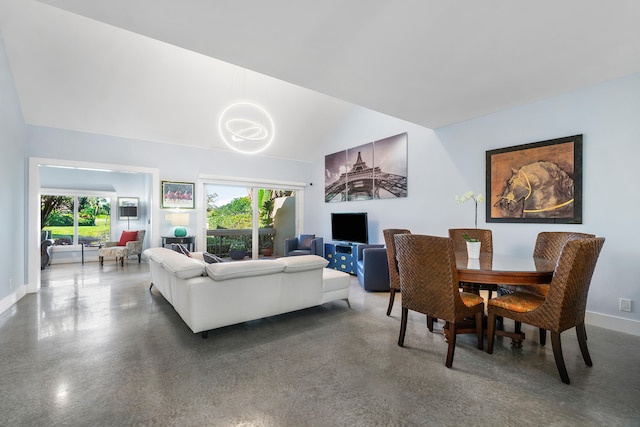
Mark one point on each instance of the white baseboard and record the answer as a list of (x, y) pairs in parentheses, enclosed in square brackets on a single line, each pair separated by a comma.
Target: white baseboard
[(628, 326), (9, 300)]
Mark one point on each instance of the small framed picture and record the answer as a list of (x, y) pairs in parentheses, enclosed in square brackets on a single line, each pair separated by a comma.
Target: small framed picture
[(178, 195), (128, 207)]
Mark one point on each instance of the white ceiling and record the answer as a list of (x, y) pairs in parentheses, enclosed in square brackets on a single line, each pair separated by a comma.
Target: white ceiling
[(146, 69)]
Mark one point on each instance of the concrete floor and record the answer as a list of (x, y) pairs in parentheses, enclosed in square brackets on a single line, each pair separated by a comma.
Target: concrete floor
[(95, 347)]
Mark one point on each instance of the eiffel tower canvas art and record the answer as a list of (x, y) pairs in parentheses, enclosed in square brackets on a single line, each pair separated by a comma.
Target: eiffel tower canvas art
[(377, 170)]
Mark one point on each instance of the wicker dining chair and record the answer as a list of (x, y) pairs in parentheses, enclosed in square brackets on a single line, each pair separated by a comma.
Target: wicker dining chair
[(429, 285), (564, 306), (548, 245), (394, 278), (486, 247)]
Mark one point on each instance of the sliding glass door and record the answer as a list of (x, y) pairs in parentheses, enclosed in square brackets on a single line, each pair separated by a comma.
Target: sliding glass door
[(249, 218)]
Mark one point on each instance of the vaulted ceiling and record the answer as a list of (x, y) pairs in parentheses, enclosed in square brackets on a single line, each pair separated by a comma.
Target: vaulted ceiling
[(162, 70)]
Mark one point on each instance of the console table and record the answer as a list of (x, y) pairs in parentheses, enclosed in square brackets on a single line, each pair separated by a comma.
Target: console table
[(341, 257), (188, 241)]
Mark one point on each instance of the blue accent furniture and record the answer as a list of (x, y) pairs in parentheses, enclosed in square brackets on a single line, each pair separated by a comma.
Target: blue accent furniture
[(304, 244), (372, 267)]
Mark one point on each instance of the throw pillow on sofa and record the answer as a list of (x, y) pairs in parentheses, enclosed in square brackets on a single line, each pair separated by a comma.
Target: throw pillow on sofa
[(182, 249), (211, 258)]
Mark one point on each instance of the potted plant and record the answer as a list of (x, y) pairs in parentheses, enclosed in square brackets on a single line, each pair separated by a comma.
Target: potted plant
[(473, 243), (267, 248), (237, 250)]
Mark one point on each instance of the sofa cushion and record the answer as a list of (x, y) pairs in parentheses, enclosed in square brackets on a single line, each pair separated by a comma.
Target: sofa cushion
[(154, 254), (304, 241), (303, 263), (183, 267), (231, 270), (299, 252), (334, 280)]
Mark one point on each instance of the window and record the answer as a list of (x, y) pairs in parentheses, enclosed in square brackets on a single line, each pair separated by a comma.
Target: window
[(76, 219)]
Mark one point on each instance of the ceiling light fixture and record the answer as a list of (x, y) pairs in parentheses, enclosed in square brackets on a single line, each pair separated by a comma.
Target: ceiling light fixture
[(246, 127)]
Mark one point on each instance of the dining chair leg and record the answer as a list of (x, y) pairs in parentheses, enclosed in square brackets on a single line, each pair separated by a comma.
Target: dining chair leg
[(403, 326), (543, 336), (557, 353), (491, 332), (518, 327), (452, 343), (479, 316), (392, 297), (582, 341), (430, 323)]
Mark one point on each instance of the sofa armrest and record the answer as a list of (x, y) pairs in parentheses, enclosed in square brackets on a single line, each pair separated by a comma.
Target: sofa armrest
[(134, 247), (290, 244), (361, 249), (317, 246), (373, 269)]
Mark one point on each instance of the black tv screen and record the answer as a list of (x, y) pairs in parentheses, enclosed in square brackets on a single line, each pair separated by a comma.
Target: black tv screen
[(349, 227)]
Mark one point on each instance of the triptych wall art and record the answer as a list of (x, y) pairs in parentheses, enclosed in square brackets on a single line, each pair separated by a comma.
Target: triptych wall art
[(536, 182), (376, 170)]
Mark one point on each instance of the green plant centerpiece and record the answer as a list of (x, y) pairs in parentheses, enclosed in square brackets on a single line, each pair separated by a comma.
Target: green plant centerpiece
[(477, 198)]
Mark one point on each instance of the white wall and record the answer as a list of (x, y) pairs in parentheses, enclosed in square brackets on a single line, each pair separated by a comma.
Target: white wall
[(12, 175), (175, 163), (432, 184), (451, 161)]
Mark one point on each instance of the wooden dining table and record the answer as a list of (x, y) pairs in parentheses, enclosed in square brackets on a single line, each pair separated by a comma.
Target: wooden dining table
[(494, 270)]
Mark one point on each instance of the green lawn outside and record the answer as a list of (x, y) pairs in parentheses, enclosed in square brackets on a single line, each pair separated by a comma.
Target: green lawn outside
[(100, 231)]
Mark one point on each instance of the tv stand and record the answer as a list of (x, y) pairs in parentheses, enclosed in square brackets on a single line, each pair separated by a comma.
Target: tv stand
[(344, 248), (341, 256)]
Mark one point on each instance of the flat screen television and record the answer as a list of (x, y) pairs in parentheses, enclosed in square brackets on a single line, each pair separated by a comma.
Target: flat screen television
[(349, 227)]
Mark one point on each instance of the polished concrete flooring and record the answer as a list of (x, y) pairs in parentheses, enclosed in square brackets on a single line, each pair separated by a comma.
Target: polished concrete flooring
[(94, 347)]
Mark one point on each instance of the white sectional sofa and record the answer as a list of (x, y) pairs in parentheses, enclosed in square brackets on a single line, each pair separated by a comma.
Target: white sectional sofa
[(209, 296)]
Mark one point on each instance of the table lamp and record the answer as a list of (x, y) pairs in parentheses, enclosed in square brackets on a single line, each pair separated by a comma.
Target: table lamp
[(179, 220)]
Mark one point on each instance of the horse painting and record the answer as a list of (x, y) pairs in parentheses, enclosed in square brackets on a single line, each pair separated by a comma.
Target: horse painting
[(538, 190)]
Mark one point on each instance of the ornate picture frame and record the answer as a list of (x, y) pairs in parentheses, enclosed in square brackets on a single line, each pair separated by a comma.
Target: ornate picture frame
[(178, 195), (539, 182)]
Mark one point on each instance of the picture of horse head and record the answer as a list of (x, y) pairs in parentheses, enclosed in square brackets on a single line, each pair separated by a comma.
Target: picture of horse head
[(538, 190)]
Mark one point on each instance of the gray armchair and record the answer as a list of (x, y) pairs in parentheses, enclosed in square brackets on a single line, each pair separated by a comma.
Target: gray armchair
[(372, 267), (45, 248), (304, 244)]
